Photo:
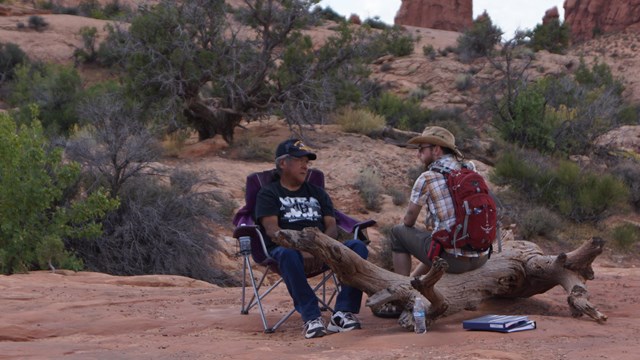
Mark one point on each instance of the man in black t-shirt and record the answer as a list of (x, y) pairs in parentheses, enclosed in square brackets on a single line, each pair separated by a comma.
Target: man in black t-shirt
[(292, 203)]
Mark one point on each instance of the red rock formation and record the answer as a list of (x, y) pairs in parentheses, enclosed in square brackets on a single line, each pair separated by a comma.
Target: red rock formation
[(592, 17), (455, 15), (550, 15)]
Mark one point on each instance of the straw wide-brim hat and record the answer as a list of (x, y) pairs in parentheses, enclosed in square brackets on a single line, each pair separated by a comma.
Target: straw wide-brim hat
[(435, 135)]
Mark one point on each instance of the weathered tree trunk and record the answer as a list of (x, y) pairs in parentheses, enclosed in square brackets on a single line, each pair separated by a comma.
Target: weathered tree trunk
[(520, 270)]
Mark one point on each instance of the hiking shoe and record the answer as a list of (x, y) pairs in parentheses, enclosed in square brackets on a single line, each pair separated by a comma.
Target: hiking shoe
[(314, 328), (343, 321)]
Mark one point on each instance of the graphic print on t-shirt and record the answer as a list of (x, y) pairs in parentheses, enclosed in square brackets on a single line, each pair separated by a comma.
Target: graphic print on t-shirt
[(295, 209)]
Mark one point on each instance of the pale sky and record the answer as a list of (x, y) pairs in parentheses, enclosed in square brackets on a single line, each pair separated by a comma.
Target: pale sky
[(509, 15)]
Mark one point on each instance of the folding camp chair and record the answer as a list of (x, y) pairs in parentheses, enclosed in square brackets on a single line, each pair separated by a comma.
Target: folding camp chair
[(251, 244)]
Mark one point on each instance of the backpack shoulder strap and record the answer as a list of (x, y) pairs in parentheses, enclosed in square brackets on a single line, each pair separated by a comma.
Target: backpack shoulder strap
[(441, 169)]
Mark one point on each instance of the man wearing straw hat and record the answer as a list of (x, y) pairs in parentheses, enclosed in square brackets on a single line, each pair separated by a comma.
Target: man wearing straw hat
[(436, 149)]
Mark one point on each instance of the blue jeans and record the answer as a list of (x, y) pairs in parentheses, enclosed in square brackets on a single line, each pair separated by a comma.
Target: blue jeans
[(305, 301)]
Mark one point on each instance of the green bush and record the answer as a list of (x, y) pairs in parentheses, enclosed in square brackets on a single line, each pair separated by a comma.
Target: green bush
[(626, 235), (599, 76), (360, 121), (577, 194), (463, 82), (395, 41), (628, 171), (376, 23), (525, 122), (400, 113), (11, 56), (429, 51), (54, 89), (37, 213), (479, 40), (88, 53), (328, 14), (553, 37), (37, 23)]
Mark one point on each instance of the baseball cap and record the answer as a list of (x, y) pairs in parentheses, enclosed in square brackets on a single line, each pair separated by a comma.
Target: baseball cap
[(295, 148)]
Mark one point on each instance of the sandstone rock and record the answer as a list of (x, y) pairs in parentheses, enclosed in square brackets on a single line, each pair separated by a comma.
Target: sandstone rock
[(588, 18), (436, 14), (625, 138), (550, 15)]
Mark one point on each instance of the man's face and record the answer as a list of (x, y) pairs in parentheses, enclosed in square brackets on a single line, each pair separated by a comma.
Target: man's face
[(296, 168), (425, 154)]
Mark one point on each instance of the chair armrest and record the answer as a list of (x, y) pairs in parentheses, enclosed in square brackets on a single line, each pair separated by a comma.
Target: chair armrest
[(258, 247), (353, 226)]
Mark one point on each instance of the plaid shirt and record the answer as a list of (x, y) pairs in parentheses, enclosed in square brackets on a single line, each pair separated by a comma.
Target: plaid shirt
[(430, 189)]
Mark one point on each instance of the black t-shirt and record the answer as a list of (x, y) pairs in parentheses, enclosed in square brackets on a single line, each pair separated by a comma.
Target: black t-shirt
[(295, 210)]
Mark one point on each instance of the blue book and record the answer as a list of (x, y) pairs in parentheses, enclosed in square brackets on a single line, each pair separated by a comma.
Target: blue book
[(501, 323)]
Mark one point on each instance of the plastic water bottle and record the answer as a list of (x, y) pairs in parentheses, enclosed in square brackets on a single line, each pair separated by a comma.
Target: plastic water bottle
[(419, 316)]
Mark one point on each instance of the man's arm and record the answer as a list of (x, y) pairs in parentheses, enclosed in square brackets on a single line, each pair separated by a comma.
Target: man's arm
[(270, 225), (411, 215), (330, 226)]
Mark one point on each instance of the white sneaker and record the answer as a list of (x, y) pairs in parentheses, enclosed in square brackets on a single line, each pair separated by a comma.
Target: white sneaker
[(343, 321), (314, 328)]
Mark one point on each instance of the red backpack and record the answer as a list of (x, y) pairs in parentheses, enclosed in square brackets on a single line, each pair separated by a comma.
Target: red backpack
[(476, 213)]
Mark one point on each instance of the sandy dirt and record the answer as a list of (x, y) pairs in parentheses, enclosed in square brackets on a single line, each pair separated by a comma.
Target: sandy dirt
[(97, 316)]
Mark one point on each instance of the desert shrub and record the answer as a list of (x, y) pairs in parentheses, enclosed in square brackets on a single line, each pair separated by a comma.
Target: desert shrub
[(10, 57), (370, 188), (115, 9), (360, 121), (37, 23), (158, 229), (479, 40), (376, 23), (163, 225), (174, 142), (395, 41), (628, 171), (418, 94), (249, 149), (628, 115), (553, 36), (413, 173), (463, 82), (88, 53), (577, 194), (429, 51), (39, 208), (626, 235), (54, 89), (539, 221), (598, 76), (398, 196), (400, 113), (526, 122), (328, 14)]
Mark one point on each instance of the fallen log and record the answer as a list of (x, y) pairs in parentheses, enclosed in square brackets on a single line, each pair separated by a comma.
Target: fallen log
[(521, 270)]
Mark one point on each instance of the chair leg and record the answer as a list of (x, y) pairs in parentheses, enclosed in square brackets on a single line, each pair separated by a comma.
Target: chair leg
[(324, 300)]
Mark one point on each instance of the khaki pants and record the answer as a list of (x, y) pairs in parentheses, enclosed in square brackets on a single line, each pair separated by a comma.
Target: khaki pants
[(416, 242)]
